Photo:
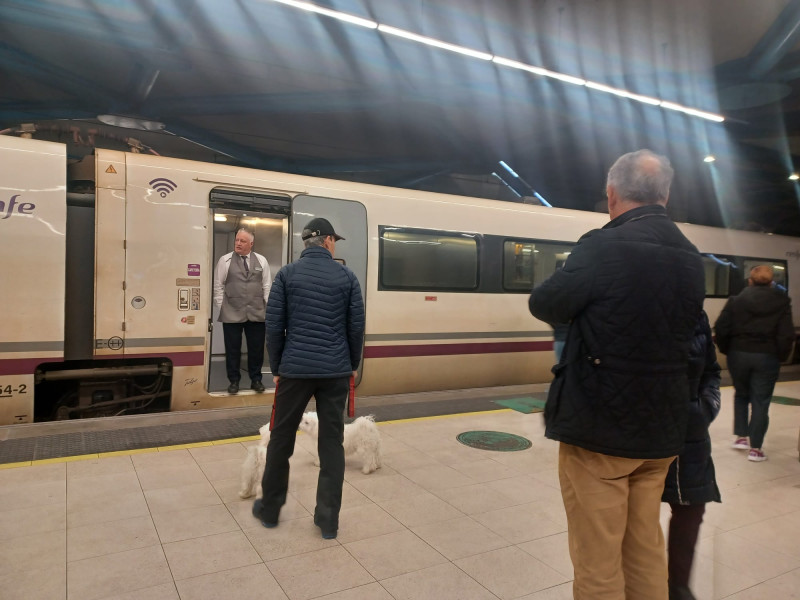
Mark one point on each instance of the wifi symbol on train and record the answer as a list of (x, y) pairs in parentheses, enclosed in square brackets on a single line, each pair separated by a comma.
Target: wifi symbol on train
[(163, 186)]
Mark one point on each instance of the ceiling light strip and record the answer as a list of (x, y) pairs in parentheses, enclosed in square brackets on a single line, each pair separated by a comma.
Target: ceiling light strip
[(499, 60), (433, 42), (335, 14)]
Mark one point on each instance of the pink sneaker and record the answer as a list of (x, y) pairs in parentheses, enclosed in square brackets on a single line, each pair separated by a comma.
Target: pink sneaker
[(756, 455), (741, 444)]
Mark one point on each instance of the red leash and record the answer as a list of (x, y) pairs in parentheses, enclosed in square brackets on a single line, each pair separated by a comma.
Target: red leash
[(351, 398), (274, 401)]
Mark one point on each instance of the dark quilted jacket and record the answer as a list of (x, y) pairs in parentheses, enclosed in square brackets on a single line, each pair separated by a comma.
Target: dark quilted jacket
[(315, 318), (691, 478), (759, 320), (632, 293)]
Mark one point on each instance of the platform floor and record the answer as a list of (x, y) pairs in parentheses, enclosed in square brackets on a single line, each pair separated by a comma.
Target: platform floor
[(439, 521)]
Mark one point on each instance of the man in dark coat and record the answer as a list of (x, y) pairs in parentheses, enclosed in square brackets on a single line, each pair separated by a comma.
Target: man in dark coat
[(315, 329), (632, 292), (755, 330)]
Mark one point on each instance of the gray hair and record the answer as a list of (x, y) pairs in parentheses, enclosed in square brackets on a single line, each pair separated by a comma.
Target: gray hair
[(248, 232), (642, 177), (317, 240)]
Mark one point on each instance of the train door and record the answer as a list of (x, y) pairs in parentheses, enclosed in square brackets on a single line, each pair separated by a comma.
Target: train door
[(267, 217), (349, 219)]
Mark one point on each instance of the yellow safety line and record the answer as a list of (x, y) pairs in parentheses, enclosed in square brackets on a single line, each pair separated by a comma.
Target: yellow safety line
[(251, 438)]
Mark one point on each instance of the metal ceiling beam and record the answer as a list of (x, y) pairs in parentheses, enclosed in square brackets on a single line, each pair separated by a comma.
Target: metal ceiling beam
[(778, 40)]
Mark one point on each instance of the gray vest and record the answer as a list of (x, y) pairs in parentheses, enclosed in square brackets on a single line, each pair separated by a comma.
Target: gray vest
[(243, 299)]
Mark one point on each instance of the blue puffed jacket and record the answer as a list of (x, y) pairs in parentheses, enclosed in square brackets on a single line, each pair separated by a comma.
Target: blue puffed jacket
[(315, 318), (691, 478)]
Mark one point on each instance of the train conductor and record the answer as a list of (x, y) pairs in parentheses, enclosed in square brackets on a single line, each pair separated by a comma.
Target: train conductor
[(241, 287)]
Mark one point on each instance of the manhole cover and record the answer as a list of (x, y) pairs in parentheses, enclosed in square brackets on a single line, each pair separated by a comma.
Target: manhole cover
[(494, 440)]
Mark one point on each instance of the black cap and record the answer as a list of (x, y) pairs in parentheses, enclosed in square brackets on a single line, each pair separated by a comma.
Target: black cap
[(319, 226)]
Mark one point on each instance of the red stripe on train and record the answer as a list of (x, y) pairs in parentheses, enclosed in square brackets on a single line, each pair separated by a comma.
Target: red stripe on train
[(454, 349), (26, 366)]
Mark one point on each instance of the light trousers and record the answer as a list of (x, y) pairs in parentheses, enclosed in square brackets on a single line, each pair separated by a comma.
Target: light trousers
[(613, 506)]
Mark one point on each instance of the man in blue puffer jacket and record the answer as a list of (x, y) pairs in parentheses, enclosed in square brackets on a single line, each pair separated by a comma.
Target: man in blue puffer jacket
[(315, 330)]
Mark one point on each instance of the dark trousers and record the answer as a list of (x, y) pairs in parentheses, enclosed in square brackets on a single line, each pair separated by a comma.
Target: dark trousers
[(291, 399), (683, 529), (754, 375), (255, 333)]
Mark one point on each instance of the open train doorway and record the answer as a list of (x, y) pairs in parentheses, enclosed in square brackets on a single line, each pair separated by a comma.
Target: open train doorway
[(266, 217)]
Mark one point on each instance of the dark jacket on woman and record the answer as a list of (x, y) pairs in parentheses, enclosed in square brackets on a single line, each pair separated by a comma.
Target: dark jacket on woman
[(758, 319), (691, 478), (632, 293), (315, 318)]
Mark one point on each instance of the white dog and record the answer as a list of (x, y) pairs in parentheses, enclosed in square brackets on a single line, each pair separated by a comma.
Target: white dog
[(361, 437), (253, 466)]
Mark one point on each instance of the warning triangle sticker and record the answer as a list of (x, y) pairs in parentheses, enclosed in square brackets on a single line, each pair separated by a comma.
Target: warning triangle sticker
[(111, 169)]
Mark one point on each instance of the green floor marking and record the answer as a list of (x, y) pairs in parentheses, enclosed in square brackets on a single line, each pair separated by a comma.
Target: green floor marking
[(525, 404), (494, 440), (785, 400)]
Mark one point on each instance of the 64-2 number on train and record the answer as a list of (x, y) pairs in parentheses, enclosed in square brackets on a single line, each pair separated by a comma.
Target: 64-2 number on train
[(5, 392)]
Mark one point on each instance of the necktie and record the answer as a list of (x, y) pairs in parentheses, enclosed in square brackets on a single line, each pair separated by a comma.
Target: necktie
[(246, 268)]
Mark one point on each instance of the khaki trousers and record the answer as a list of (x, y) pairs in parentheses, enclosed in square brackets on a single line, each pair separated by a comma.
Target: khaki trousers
[(615, 539)]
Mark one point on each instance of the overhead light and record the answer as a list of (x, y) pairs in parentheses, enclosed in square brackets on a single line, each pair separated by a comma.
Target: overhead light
[(131, 122), (710, 158), (514, 64), (692, 111), (433, 42), (220, 218), (335, 14), (507, 168), (794, 176)]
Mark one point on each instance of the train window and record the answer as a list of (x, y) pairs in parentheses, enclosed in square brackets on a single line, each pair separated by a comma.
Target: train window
[(718, 275), (526, 264), (778, 270), (418, 259), (727, 275)]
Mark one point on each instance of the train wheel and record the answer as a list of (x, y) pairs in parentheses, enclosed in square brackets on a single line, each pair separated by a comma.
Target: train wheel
[(61, 411)]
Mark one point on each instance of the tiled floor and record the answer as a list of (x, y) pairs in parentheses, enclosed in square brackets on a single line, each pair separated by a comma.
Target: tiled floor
[(438, 521)]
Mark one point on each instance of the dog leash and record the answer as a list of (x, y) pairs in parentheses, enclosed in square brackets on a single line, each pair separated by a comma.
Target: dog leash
[(351, 398)]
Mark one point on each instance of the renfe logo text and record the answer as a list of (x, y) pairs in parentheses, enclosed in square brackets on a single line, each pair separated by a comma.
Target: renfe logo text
[(23, 208)]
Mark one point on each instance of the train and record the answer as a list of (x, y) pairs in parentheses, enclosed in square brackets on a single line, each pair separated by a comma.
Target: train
[(106, 283)]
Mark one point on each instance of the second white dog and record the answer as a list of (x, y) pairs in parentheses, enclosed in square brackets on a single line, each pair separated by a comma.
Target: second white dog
[(360, 437), (253, 466)]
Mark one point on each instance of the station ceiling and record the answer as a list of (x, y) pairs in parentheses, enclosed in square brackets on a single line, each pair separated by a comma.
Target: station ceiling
[(266, 84)]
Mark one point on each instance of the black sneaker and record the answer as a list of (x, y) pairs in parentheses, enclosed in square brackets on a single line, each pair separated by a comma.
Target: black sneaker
[(257, 505), (257, 386), (233, 388)]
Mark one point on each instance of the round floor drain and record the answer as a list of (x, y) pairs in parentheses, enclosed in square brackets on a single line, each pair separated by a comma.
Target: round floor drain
[(494, 440)]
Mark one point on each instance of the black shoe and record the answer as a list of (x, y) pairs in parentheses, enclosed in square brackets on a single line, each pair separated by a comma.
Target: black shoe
[(329, 534), (257, 505), (233, 388), (680, 592), (257, 386)]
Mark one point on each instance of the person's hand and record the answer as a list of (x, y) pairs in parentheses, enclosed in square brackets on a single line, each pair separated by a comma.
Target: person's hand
[(355, 374), (275, 379)]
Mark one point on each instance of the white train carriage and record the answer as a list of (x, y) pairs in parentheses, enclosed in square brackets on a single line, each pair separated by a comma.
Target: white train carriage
[(107, 294)]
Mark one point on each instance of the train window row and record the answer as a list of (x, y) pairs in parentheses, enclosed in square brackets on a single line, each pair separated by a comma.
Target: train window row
[(414, 259), (727, 275), (429, 260)]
